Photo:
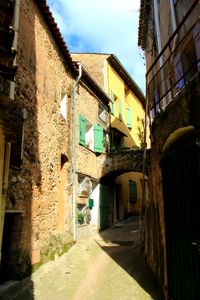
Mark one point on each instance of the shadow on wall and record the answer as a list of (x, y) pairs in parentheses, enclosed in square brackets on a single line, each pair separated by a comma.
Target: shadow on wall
[(123, 166), (25, 170)]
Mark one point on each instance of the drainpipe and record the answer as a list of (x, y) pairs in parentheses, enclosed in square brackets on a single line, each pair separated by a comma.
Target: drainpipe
[(157, 23), (173, 15), (174, 23), (74, 153), (144, 164), (15, 43), (161, 60)]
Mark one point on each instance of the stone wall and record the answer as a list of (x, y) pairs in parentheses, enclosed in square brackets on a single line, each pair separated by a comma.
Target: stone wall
[(182, 111), (42, 78), (88, 162), (95, 65)]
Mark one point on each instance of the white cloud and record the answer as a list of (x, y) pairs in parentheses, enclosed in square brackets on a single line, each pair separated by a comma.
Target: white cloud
[(109, 26)]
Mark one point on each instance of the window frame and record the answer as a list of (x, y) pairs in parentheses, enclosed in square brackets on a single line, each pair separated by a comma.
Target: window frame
[(133, 193)]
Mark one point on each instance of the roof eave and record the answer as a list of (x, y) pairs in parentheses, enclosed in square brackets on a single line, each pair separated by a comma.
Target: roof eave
[(115, 63), (45, 10)]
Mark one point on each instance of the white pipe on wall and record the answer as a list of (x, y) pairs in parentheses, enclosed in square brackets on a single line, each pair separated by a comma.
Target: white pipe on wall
[(74, 154), (15, 43), (173, 15), (157, 23)]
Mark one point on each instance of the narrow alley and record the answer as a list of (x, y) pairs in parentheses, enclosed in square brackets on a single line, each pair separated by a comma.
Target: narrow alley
[(108, 266)]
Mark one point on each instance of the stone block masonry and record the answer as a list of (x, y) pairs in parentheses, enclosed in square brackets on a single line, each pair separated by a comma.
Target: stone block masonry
[(35, 194)]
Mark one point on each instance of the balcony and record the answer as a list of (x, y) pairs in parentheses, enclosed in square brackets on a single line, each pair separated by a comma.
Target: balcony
[(176, 65)]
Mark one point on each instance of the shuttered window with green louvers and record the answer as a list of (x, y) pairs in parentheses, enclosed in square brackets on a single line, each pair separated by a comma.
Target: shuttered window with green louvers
[(112, 106), (120, 109), (128, 117), (82, 129), (132, 191), (98, 138)]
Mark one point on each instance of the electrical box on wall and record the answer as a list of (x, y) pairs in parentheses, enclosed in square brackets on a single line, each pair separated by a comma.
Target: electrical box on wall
[(90, 203)]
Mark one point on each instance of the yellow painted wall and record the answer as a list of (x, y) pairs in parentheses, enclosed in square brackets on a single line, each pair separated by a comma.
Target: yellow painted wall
[(115, 84), (128, 207)]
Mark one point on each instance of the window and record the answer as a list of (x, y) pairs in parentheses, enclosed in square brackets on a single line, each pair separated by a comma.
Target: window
[(63, 106), (128, 117), (196, 35), (103, 113), (132, 191), (91, 136), (116, 143), (126, 94), (82, 129), (120, 109), (112, 106), (16, 147), (85, 186), (116, 105), (178, 71), (98, 138)]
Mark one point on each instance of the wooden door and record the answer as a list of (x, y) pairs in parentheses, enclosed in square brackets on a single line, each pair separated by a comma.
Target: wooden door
[(104, 206), (181, 182)]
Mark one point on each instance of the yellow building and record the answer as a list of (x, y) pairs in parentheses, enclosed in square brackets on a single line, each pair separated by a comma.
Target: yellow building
[(127, 104), (127, 132)]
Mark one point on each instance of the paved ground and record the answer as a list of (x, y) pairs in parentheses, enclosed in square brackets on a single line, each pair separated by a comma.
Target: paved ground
[(108, 267)]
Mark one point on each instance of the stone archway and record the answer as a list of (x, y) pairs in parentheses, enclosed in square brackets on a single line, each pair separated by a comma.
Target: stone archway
[(120, 184), (119, 163)]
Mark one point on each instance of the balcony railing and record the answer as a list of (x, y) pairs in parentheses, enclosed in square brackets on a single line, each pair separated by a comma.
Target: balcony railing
[(176, 65)]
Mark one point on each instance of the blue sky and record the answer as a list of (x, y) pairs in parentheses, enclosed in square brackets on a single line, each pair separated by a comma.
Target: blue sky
[(102, 26)]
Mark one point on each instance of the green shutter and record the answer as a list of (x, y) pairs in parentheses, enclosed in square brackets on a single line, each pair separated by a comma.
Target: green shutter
[(82, 125), (128, 117), (112, 107), (120, 109), (98, 138), (132, 191)]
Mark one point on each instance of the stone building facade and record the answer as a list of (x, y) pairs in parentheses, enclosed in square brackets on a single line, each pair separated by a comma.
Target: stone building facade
[(38, 216), (172, 227), (91, 145), (127, 105)]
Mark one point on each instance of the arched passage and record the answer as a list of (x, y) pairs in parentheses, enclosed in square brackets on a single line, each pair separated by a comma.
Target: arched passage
[(132, 161), (121, 186)]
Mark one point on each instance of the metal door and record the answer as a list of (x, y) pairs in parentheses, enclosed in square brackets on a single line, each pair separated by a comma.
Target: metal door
[(104, 206), (181, 183)]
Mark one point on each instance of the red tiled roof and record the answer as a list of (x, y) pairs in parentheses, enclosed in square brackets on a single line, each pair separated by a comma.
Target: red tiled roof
[(45, 10)]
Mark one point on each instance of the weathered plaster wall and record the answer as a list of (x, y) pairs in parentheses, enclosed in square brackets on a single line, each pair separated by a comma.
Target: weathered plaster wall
[(34, 188), (95, 64)]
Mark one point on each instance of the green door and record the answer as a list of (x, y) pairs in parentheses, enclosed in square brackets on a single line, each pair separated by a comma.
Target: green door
[(181, 180), (104, 206)]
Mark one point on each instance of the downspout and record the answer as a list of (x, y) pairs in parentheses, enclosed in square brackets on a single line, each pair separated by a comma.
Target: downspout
[(161, 60), (157, 23), (173, 15), (144, 166), (15, 43), (174, 23), (74, 153)]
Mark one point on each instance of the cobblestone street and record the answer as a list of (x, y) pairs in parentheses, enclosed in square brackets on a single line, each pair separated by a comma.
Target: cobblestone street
[(107, 267)]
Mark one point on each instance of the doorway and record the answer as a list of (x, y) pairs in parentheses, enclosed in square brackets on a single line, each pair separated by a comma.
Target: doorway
[(181, 179)]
